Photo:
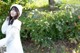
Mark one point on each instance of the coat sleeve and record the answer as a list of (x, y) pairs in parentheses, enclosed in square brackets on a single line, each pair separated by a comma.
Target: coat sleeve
[(4, 26), (9, 37)]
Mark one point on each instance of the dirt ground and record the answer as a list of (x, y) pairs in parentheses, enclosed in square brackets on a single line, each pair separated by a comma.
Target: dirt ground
[(57, 47)]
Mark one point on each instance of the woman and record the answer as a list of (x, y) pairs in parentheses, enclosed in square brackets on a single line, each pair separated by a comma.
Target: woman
[(11, 28)]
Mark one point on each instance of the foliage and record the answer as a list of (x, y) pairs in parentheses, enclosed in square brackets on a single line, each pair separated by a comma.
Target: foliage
[(71, 1), (27, 4), (44, 27)]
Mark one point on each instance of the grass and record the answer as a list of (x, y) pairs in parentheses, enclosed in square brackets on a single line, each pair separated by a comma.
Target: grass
[(36, 4)]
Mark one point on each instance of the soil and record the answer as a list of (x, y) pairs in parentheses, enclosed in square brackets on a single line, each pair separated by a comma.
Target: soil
[(30, 47)]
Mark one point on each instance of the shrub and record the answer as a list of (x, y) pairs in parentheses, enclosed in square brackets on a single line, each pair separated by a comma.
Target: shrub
[(46, 27)]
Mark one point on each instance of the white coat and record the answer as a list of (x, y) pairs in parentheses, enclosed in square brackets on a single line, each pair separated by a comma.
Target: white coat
[(12, 39)]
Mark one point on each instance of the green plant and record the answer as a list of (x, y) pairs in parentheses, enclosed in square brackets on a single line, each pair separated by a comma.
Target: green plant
[(46, 27)]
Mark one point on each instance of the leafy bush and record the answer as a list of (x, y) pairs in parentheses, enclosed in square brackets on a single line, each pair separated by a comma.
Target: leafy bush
[(46, 27), (2, 8)]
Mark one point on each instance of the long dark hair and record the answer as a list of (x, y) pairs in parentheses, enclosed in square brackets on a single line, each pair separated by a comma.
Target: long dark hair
[(11, 19)]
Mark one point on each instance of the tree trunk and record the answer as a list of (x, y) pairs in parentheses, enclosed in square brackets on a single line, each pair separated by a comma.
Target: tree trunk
[(51, 4)]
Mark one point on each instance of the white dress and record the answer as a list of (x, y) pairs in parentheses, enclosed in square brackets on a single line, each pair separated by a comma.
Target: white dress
[(12, 39)]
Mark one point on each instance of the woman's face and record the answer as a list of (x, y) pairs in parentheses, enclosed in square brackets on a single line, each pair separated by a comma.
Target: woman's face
[(13, 13)]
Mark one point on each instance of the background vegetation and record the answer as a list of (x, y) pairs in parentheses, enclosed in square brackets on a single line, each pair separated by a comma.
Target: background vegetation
[(47, 21)]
